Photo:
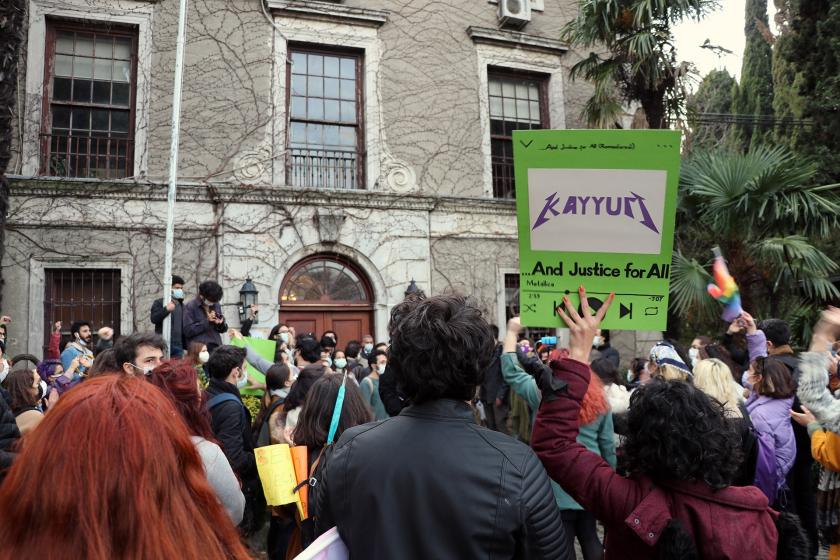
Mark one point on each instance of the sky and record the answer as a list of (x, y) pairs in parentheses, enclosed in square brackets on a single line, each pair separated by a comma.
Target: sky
[(725, 28)]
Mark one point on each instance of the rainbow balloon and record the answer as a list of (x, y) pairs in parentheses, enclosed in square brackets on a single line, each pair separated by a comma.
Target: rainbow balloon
[(725, 290)]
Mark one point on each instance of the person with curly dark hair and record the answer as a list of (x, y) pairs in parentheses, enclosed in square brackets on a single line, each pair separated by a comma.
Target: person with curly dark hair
[(430, 482), (681, 455)]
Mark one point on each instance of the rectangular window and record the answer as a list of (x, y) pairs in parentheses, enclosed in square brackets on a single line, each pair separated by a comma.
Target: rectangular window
[(512, 309), (325, 138), (81, 295), (517, 101), (89, 91)]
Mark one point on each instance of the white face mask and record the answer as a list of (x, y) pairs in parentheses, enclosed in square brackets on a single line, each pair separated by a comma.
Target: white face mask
[(284, 336), (382, 369), (368, 348), (5, 372), (242, 381), (204, 356), (694, 354), (340, 363), (43, 389), (146, 370), (597, 341), (629, 375)]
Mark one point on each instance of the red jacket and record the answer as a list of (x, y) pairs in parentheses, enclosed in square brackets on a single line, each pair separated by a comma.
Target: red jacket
[(732, 523)]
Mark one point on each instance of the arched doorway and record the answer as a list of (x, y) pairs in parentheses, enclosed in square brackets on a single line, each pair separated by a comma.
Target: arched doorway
[(327, 292)]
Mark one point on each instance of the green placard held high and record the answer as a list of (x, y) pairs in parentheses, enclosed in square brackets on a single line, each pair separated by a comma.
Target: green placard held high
[(596, 208)]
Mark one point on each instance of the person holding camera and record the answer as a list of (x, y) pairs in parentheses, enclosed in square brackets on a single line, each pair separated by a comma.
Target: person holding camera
[(203, 319)]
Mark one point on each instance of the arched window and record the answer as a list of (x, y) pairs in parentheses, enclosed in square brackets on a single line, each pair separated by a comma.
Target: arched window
[(325, 280)]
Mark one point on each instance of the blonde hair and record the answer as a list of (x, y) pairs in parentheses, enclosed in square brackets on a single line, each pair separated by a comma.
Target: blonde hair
[(714, 378), (671, 373)]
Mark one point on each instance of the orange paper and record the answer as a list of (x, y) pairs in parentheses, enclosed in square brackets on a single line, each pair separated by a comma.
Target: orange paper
[(300, 462)]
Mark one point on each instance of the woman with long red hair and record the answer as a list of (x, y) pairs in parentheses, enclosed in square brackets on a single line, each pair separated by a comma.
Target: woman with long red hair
[(596, 434), (178, 380), (125, 482)]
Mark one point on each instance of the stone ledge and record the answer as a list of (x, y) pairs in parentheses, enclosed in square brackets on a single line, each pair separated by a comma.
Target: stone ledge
[(516, 39), (328, 11), (59, 187)]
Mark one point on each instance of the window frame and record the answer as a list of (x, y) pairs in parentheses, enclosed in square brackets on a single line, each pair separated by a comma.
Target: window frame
[(113, 29), (361, 144), (542, 80)]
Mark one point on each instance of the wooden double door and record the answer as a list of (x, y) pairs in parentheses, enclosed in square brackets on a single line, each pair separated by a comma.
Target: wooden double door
[(348, 325)]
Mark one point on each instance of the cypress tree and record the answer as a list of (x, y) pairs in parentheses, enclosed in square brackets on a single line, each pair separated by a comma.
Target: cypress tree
[(754, 95)]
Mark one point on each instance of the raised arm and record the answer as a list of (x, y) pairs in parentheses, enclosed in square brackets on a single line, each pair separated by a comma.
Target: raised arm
[(813, 389)]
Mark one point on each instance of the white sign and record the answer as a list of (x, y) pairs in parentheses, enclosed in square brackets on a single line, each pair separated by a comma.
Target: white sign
[(597, 210)]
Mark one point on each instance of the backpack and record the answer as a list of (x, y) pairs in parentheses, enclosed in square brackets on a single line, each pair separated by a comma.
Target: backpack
[(263, 429)]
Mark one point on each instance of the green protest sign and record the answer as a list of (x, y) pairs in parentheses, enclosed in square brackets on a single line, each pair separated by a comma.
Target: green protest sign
[(264, 348), (596, 208)]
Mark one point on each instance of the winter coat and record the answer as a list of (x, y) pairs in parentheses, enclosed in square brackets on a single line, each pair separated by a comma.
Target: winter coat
[(494, 386), (472, 492), (596, 436), (231, 423), (159, 313), (636, 510), (72, 351), (9, 433), (197, 326), (771, 420)]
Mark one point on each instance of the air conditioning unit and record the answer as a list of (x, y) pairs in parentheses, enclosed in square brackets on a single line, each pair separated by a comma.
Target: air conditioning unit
[(514, 13)]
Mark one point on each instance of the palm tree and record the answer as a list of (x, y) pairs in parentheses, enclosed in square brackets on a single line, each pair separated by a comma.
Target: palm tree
[(762, 209), (640, 63)]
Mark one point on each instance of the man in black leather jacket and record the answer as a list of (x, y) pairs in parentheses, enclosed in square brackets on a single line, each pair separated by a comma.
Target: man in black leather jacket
[(430, 483)]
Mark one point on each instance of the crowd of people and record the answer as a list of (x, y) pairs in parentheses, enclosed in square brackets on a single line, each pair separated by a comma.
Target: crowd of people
[(448, 441)]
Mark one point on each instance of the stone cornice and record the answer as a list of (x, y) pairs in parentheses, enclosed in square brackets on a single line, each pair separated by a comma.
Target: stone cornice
[(516, 39), (329, 11), (228, 193)]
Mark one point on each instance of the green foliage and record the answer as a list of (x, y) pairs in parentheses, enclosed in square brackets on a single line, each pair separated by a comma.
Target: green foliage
[(640, 62), (763, 210), (714, 95), (754, 95), (807, 78)]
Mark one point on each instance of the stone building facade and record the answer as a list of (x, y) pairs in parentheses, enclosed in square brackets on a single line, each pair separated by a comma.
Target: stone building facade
[(332, 151)]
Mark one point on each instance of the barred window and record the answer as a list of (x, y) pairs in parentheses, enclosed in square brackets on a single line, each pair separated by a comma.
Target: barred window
[(89, 93)]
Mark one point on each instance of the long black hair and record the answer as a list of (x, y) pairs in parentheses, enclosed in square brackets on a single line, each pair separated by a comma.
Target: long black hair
[(315, 416)]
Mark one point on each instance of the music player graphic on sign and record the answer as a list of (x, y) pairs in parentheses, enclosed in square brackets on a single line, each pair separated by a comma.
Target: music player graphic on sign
[(596, 208)]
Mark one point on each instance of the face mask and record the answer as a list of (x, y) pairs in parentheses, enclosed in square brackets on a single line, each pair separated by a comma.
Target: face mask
[(340, 363), (694, 353), (629, 375), (597, 341), (204, 356), (80, 340), (284, 336), (526, 349), (146, 370), (382, 370), (368, 348), (282, 393), (242, 381), (42, 390), (178, 294), (5, 372), (328, 361)]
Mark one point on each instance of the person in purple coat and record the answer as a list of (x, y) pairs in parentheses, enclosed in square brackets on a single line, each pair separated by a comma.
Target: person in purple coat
[(203, 319), (769, 407)]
